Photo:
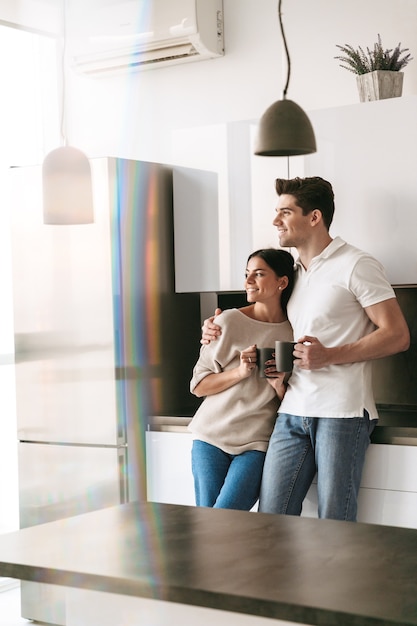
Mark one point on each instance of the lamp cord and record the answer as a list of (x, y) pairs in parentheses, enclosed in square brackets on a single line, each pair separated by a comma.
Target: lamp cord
[(63, 122), (286, 49)]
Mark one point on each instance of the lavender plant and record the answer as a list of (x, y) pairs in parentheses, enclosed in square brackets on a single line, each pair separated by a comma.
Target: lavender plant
[(360, 62)]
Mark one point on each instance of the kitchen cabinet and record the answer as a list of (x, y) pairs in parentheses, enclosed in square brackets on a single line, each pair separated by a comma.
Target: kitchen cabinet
[(388, 493), (368, 152), (221, 236), (196, 230), (168, 467)]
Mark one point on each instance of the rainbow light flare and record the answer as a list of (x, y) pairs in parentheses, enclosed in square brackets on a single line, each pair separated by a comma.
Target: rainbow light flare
[(136, 261), (138, 285)]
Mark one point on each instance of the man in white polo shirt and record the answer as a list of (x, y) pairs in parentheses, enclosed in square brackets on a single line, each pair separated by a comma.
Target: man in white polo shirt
[(344, 314)]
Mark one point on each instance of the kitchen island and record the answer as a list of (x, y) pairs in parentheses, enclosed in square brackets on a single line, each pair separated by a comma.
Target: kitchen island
[(159, 563)]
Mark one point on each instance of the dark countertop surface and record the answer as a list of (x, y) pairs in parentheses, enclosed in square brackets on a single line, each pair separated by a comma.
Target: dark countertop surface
[(304, 570), (396, 425)]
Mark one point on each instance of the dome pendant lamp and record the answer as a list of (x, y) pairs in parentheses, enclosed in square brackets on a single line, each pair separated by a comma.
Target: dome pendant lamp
[(67, 188), (66, 174), (284, 129)]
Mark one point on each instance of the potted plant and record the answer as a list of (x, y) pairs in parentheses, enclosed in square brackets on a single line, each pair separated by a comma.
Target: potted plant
[(378, 71)]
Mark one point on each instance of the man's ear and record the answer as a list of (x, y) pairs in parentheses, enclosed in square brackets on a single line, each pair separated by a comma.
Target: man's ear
[(316, 217)]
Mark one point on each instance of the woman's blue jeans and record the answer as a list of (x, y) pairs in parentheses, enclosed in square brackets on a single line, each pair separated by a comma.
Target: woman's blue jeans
[(226, 481), (301, 446)]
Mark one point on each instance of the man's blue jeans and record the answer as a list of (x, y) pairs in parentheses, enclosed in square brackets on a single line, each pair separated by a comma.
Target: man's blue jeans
[(301, 446), (226, 481)]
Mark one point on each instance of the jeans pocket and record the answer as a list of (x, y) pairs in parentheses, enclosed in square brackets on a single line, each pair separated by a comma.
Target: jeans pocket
[(369, 423)]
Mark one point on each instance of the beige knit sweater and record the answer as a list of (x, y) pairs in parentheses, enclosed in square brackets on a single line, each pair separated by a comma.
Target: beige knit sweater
[(242, 417)]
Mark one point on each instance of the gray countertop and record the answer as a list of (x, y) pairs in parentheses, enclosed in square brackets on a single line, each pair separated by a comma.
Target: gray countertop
[(169, 423), (319, 572), (395, 426)]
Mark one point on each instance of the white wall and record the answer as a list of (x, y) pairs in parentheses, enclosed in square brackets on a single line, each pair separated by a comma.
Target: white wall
[(36, 15), (135, 116)]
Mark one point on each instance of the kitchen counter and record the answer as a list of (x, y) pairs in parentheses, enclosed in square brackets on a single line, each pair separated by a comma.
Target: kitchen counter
[(169, 423), (302, 570), (395, 425)]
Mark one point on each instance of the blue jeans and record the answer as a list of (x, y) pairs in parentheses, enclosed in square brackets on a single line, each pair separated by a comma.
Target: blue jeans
[(226, 481), (301, 446)]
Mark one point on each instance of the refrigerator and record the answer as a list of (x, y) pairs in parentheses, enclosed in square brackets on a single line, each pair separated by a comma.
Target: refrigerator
[(102, 343)]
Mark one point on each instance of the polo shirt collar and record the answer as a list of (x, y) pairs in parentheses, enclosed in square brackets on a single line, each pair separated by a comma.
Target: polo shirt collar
[(328, 251)]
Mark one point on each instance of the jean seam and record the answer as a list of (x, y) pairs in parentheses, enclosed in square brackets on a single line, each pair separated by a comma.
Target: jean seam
[(361, 423), (296, 474)]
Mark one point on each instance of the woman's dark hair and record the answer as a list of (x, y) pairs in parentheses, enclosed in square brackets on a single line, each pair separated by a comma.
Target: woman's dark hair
[(282, 263), (310, 193)]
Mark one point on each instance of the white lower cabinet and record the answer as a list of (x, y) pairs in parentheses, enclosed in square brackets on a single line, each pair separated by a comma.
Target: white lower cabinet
[(388, 493), (168, 467)]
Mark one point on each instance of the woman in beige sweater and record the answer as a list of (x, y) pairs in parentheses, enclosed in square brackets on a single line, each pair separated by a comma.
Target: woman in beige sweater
[(233, 424)]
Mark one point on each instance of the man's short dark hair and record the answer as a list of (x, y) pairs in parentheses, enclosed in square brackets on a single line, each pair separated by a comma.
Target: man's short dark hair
[(310, 193)]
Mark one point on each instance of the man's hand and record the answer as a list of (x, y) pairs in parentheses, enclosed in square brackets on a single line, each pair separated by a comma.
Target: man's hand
[(210, 331), (391, 335), (310, 354)]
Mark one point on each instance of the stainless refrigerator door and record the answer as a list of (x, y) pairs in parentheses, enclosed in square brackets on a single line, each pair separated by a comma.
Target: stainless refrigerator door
[(56, 482), (63, 318)]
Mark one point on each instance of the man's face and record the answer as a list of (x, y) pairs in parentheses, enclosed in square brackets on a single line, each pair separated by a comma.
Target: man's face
[(293, 227)]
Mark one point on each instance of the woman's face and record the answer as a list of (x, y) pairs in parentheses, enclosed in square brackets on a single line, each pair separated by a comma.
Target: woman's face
[(261, 282)]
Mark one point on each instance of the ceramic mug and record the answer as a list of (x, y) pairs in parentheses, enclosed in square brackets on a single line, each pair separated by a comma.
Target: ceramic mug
[(263, 355), (283, 355)]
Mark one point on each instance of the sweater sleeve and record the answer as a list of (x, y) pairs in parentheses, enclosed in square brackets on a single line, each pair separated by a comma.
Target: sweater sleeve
[(217, 354)]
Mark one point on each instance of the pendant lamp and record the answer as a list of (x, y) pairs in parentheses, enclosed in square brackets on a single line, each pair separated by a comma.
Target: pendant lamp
[(67, 188), (284, 129), (66, 173)]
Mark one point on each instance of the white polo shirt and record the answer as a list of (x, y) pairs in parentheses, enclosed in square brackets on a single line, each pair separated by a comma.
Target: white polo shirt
[(328, 302)]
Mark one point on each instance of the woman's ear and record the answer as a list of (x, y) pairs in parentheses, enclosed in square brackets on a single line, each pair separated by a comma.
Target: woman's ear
[(283, 283)]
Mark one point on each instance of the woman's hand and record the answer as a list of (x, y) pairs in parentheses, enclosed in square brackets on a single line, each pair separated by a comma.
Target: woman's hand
[(217, 382), (276, 379), (247, 361)]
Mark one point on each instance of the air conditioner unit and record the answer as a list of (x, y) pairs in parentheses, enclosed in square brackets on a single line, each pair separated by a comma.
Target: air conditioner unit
[(113, 36)]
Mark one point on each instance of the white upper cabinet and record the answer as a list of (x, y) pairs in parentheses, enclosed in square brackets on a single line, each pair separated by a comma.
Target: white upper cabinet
[(368, 152), (196, 230)]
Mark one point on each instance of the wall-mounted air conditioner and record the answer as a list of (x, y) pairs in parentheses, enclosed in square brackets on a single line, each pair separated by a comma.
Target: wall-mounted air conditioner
[(112, 36)]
